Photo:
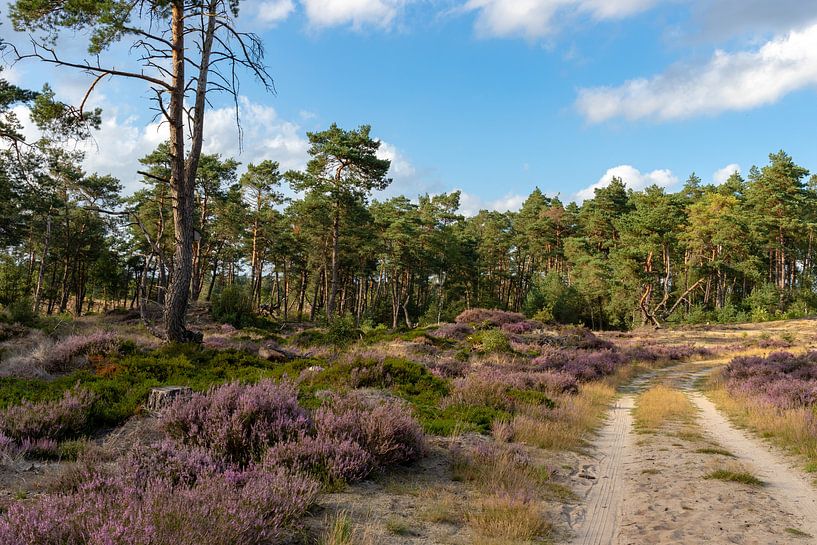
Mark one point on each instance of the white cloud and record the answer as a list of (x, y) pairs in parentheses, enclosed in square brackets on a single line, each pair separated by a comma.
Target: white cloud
[(632, 177), (722, 174), (271, 12), (471, 205), (536, 18), (265, 136), (728, 81), (358, 13), (121, 141), (12, 74), (116, 148), (401, 168)]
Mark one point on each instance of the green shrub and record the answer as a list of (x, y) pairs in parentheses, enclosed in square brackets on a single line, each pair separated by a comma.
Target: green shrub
[(342, 331), (233, 306), (21, 312), (456, 419), (490, 340)]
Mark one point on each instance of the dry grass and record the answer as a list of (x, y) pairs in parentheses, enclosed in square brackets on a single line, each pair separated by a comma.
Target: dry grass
[(568, 426), (505, 519), (501, 472), (659, 405), (445, 508), (791, 429), (339, 530)]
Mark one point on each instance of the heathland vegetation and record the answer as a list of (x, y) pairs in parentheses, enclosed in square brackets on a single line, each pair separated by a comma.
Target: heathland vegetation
[(205, 360)]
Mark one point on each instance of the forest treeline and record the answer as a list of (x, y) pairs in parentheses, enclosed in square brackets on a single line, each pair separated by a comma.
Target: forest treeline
[(743, 250)]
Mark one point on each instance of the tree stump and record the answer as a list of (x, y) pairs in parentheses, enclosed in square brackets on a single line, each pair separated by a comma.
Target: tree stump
[(161, 398)]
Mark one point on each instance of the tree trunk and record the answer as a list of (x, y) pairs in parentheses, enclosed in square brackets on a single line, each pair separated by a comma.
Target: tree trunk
[(330, 305), (176, 300), (183, 171), (38, 291)]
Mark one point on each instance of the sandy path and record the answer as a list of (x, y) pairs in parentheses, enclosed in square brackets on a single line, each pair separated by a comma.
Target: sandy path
[(650, 488), (597, 523), (787, 485)]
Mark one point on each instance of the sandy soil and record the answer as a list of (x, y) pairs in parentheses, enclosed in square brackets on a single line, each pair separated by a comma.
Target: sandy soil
[(651, 487)]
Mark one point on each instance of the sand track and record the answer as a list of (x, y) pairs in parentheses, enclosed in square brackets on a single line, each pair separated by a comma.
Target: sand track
[(650, 489), (789, 486), (597, 522)]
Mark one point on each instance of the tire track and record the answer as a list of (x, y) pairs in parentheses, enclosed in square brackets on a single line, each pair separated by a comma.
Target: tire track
[(599, 524), (787, 485)]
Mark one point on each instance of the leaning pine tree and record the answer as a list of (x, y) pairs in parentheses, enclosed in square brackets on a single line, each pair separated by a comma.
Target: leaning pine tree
[(188, 49)]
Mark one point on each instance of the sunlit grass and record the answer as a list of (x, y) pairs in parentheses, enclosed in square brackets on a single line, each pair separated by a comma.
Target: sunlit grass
[(659, 405), (570, 424), (505, 519), (736, 476), (791, 429)]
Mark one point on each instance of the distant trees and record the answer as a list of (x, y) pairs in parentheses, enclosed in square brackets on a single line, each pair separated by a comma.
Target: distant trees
[(738, 251)]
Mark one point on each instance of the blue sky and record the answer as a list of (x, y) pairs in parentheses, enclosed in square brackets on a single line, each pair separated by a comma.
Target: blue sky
[(494, 97)]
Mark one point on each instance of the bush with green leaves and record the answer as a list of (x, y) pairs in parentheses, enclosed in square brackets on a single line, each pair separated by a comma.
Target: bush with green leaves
[(233, 306), (490, 340), (342, 331), (21, 312)]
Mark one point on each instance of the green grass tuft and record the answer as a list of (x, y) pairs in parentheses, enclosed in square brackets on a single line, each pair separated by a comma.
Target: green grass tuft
[(742, 477), (715, 450)]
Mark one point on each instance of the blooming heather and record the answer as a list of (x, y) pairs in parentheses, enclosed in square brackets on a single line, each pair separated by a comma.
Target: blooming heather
[(385, 429), (56, 420), (237, 422), (456, 332), (63, 355), (249, 507), (329, 459), (782, 379), (490, 317), (583, 365)]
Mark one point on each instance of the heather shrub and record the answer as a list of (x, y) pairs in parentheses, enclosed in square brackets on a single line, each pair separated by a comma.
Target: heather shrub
[(40, 355), (42, 448), (448, 367), (384, 429), (53, 420), (581, 338), (782, 379), (485, 317), (457, 332), (518, 328), (331, 460), (63, 355), (167, 462), (654, 353), (583, 365), (504, 390), (231, 508), (237, 422)]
